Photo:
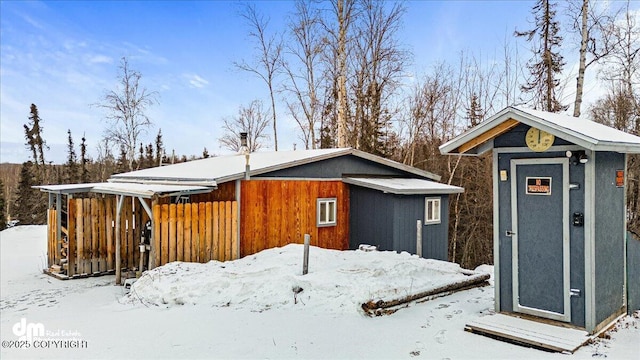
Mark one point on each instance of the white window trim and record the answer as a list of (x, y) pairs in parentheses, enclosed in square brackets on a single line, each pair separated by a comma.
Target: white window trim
[(326, 222), (437, 220)]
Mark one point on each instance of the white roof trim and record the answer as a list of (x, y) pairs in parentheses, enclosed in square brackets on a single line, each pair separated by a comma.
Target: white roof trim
[(402, 186), (580, 131), (128, 189)]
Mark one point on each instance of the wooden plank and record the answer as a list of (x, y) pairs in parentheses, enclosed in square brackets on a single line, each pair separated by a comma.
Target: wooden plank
[(287, 229), (131, 243), (123, 234), (95, 248), (71, 236), (180, 232), (157, 233), (201, 233), (228, 231), (79, 236), (274, 203), (216, 229), (195, 236), (232, 253), (102, 228), (50, 239), (187, 232), (488, 135), (86, 219), (534, 333), (173, 243), (222, 225), (164, 234), (208, 254), (109, 216)]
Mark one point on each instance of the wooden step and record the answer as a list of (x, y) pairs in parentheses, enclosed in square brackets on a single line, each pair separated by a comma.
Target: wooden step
[(528, 332)]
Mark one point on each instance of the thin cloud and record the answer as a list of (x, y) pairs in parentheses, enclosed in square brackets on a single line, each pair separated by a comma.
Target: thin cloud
[(100, 59), (196, 81)]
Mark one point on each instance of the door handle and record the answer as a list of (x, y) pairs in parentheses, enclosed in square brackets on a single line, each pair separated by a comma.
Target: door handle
[(510, 233)]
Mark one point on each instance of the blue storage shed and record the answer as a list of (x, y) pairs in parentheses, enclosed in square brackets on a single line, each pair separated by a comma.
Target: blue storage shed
[(559, 214)]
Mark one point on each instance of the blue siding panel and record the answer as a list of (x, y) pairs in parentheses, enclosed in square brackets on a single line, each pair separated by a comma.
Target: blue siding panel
[(609, 236), (389, 222), (633, 273), (336, 168)]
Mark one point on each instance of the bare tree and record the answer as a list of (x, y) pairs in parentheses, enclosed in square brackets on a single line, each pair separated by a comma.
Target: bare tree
[(547, 62), (596, 42), (338, 26), (624, 62), (268, 62), (379, 64), (126, 108), (253, 120), (304, 71)]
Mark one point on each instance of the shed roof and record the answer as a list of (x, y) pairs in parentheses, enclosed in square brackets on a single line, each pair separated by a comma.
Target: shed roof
[(403, 186), (580, 131), (232, 167), (128, 189)]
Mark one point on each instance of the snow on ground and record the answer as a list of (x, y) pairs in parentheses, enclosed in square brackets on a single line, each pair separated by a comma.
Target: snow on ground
[(338, 281), (262, 319)]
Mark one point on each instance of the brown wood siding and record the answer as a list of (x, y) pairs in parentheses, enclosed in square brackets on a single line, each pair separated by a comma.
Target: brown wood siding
[(275, 213), (224, 192)]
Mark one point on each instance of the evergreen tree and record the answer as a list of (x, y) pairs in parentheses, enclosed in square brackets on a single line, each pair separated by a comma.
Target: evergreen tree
[(205, 153), (150, 160), (141, 163), (84, 161), (71, 168), (123, 162), (547, 62), (30, 206), (35, 142), (474, 112), (3, 212), (159, 148)]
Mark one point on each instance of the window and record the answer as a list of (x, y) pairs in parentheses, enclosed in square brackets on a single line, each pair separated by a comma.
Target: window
[(327, 212), (432, 211)]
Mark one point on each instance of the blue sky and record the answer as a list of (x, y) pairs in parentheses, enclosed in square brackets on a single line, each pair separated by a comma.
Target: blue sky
[(63, 55)]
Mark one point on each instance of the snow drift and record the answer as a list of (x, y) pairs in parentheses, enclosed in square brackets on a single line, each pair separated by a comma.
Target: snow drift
[(338, 281)]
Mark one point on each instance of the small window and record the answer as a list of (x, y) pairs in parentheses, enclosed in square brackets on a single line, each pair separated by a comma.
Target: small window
[(327, 212), (432, 211)]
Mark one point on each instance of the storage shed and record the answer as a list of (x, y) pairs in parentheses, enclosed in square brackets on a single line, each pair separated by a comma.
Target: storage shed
[(559, 214), (222, 208)]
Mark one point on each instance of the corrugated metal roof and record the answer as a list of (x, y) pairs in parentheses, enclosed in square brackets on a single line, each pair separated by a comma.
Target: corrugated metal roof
[(127, 189), (232, 167), (404, 186), (580, 131)]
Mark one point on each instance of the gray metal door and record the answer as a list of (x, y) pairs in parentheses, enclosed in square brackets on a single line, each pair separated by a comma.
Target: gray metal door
[(540, 237)]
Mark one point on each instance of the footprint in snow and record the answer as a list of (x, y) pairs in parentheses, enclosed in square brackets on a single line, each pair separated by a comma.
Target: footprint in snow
[(441, 336)]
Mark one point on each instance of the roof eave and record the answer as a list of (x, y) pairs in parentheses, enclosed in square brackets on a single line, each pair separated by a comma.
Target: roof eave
[(451, 190), (396, 165)]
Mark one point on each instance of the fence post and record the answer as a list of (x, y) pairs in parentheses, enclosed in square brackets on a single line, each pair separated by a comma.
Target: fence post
[(305, 261), (419, 238)]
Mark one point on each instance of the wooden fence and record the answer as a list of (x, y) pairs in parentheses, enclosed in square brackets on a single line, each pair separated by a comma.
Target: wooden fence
[(196, 232)]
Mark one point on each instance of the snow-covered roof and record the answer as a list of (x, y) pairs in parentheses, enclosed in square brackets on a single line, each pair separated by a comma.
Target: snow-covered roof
[(232, 167), (404, 186), (127, 189), (580, 131)]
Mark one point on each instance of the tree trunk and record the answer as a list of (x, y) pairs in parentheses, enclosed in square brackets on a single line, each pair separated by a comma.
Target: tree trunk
[(342, 78), (583, 59)]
